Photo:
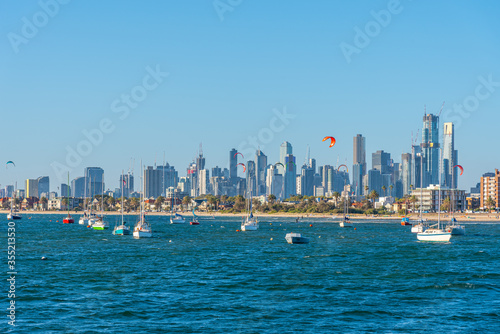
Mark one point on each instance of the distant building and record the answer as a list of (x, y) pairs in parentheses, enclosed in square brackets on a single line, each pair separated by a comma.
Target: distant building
[(203, 181), (274, 182), (31, 188), (78, 187), (65, 190), (94, 181), (43, 186), (406, 169), (285, 150), (9, 191), (233, 161), (430, 149), (127, 181), (490, 188), (260, 172), (449, 177), (430, 198), (251, 179), (290, 176), (381, 161)]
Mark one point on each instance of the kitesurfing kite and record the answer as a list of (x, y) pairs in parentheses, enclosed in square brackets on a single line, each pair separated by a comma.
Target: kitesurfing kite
[(347, 169), (244, 167), (10, 162), (239, 154), (332, 141), (461, 169)]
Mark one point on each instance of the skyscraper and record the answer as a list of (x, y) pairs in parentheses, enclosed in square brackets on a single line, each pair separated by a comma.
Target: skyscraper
[(450, 158), (290, 176), (285, 150), (31, 188), (203, 180), (65, 190), (381, 161), (406, 169), (251, 180), (359, 164), (78, 187), (306, 181), (128, 184), (260, 172), (430, 150), (233, 161), (43, 186), (94, 181), (152, 182)]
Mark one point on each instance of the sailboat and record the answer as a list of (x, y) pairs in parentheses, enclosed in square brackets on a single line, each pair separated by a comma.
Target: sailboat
[(122, 229), (177, 218), (346, 222), (249, 222), (100, 224), (142, 229), (420, 226), (68, 219), (435, 233), (13, 215), (195, 220), (84, 220), (453, 227)]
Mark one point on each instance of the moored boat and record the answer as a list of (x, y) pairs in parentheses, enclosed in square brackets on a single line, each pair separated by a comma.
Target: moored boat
[(296, 238)]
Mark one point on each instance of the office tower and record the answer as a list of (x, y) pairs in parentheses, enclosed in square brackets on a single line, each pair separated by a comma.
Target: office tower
[(169, 177), (490, 188), (374, 181), (65, 190), (417, 167), (380, 161), (406, 169), (359, 152), (94, 181), (233, 161), (251, 180), (128, 184), (9, 191), (78, 187), (152, 182), (285, 150), (43, 185), (260, 172), (430, 150), (31, 188), (203, 181), (274, 182), (306, 181), (450, 157), (290, 176), (216, 171)]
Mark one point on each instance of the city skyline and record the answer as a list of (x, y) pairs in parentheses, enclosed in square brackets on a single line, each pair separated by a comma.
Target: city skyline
[(235, 83)]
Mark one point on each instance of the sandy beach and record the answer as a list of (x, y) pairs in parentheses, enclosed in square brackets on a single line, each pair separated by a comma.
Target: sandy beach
[(461, 217)]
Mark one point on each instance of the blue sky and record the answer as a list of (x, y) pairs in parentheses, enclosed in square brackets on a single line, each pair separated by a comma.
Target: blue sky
[(227, 78)]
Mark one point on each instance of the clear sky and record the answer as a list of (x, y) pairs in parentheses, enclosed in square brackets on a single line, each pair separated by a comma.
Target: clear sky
[(231, 69)]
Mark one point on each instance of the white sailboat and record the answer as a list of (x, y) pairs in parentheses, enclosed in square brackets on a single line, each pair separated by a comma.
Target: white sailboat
[(249, 222), (122, 229), (346, 222), (177, 219), (453, 227), (420, 226), (435, 233), (100, 223), (84, 220), (13, 215), (142, 229)]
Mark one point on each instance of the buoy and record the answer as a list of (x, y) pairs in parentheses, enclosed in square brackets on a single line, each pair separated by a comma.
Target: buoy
[(271, 239), (170, 241), (354, 229), (44, 258), (310, 225), (319, 236), (237, 230), (57, 221)]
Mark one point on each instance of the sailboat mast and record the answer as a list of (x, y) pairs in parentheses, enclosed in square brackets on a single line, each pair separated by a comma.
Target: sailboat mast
[(122, 197)]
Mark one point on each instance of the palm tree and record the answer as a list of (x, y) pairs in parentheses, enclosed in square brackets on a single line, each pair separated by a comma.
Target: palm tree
[(445, 206), (186, 201), (336, 195), (413, 200), (271, 198), (373, 195), (490, 203), (134, 203), (366, 189), (158, 202), (384, 188), (390, 187)]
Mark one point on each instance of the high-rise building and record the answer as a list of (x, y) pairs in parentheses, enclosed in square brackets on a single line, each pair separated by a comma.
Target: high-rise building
[(285, 150), (274, 182), (251, 179), (233, 161), (216, 171), (65, 190), (417, 167), (381, 161), (78, 187), (128, 184), (490, 188), (152, 182), (94, 181), (203, 181), (9, 191), (374, 181), (450, 157), (290, 176), (406, 169), (430, 150), (306, 180), (31, 188), (359, 152), (43, 185), (260, 172)]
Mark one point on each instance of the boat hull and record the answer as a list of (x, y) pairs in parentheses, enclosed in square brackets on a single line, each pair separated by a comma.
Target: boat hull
[(456, 230), (419, 228), (83, 221), (122, 230), (68, 221), (142, 234), (346, 224), (177, 221), (434, 236), (194, 223), (13, 217)]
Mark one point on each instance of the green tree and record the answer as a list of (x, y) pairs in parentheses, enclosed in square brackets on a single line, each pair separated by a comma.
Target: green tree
[(134, 203), (391, 187), (384, 189), (445, 205), (336, 195), (186, 201), (158, 202), (271, 199), (490, 203)]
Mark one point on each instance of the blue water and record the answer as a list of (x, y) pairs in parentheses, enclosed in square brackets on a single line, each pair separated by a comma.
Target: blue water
[(212, 279)]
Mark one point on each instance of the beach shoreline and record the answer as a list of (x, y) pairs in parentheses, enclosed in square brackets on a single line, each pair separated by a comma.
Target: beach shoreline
[(485, 217)]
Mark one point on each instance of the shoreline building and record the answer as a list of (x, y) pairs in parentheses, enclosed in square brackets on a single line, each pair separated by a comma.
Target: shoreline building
[(490, 188), (94, 181), (430, 149), (359, 164), (450, 157)]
